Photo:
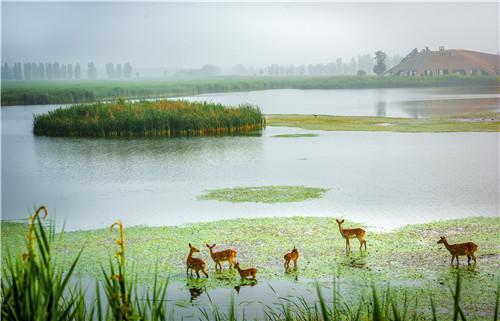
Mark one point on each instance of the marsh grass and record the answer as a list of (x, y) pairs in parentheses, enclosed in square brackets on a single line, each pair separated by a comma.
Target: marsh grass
[(71, 92), (163, 118), (473, 122), (32, 289), (264, 194), (294, 135)]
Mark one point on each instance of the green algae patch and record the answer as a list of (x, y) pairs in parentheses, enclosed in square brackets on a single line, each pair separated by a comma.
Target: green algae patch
[(409, 259), (264, 194), (471, 122), (294, 135)]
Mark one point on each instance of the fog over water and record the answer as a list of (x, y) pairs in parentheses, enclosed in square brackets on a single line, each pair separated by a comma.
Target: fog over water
[(255, 34)]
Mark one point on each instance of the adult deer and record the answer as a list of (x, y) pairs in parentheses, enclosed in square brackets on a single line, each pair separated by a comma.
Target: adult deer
[(218, 257), (460, 249), (194, 263), (347, 234)]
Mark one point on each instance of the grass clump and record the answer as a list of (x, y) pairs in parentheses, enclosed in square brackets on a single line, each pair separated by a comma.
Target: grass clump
[(163, 118), (473, 122), (294, 135), (264, 194)]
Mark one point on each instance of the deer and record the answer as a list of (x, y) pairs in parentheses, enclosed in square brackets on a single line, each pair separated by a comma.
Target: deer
[(251, 272), (456, 250), (291, 256), (358, 233), (194, 263), (218, 257)]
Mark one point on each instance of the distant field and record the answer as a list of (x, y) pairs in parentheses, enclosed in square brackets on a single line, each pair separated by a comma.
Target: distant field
[(59, 92)]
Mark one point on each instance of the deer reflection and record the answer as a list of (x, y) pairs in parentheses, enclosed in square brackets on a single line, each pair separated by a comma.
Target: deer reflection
[(242, 284)]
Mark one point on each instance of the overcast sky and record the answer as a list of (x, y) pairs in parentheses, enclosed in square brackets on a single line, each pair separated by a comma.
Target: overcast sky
[(254, 34)]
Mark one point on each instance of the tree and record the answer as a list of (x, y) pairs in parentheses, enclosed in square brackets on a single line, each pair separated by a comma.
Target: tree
[(361, 73), (110, 70), (127, 70), (379, 67), (118, 71), (77, 71), (48, 70), (27, 71), (91, 71), (63, 71), (6, 72), (41, 71), (56, 70), (70, 71), (18, 71)]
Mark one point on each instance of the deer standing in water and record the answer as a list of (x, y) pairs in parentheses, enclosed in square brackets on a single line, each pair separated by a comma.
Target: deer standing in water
[(291, 256), (457, 250), (226, 255), (358, 233), (194, 263), (251, 272)]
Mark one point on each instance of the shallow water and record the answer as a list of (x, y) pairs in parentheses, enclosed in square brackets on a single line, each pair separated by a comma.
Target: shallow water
[(400, 102), (383, 179)]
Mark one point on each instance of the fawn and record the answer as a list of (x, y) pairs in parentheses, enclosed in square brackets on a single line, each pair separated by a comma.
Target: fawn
[(294, 255), (226, 255), (358, 233), (247, 272), (457, 250), (194, 263)]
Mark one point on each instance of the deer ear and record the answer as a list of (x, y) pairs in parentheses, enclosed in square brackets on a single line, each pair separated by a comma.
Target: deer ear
[(190, 246)]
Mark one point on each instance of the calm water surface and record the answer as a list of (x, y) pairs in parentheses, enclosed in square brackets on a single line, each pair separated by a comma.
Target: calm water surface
[(404, 102), (383, 179)]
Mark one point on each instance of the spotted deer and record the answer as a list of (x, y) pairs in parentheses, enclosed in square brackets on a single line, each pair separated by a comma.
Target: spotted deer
[(218, 257), (460, 249), (291, 256), (251, 272), (194, 263), (347, 234)]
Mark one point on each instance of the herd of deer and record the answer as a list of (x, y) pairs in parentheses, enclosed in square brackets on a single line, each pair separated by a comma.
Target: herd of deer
[(197, 264)]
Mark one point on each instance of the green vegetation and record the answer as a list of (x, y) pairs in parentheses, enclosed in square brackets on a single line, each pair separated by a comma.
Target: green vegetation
[(474, 122), (417, 268), (158, 118), (82, 91), (294, 135), (264, 194)]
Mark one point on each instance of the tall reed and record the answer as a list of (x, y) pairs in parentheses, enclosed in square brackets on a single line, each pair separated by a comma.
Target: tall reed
[(164, 118)]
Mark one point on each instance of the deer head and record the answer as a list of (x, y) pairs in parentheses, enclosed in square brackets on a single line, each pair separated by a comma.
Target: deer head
[(442, 239), (193, 249)]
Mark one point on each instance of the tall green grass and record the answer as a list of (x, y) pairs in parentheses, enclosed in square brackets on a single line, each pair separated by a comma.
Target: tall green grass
[(32, 289), (72, 92), (159, 118)]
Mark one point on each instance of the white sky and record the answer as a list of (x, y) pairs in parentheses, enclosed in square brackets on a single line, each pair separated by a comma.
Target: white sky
[(254, 34)]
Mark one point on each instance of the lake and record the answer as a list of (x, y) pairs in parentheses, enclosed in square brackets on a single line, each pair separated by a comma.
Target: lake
[(400, 102), (382, 179)]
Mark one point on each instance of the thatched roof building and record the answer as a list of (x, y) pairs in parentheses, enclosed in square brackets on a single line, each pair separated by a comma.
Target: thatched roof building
[(446, 62)]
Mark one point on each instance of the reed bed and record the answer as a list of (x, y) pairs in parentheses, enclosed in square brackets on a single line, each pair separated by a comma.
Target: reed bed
[(162, 118)]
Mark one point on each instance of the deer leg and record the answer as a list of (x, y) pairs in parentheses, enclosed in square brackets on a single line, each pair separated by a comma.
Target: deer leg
[(468, 259), (198, 274), (295, 264), (452, 258), (204, 272), (457, 261), (474, 258), (187, 270), (347, 246)]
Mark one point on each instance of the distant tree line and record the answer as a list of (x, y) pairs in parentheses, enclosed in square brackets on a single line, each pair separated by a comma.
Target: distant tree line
[(57, 71), (117, 71), (361, 65)]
